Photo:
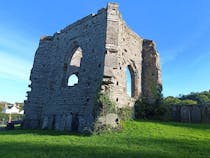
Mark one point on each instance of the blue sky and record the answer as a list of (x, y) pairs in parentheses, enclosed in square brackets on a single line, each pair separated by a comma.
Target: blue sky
[(181, 30)]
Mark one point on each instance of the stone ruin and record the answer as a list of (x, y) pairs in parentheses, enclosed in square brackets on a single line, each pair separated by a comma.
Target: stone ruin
[(191, 113), (97, 49)]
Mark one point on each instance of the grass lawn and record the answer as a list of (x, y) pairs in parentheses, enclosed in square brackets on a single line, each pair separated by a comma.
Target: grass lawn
[(139, 139)]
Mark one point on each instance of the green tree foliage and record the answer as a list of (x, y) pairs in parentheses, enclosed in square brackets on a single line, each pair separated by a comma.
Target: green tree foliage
[(169, 101), (188, 102), (162, 110), (201, 98)]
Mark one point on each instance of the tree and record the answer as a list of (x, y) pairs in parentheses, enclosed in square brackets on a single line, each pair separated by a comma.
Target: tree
[(171, 101), (188, 102), (201, 98)]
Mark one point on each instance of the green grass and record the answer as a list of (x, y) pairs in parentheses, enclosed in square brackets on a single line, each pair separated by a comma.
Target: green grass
[(139, 139)]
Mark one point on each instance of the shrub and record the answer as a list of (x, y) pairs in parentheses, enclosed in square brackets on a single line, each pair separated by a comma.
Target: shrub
[(144, 110), (103, 107), (141, 109), (105, 103), (170, 101), (125, 113)]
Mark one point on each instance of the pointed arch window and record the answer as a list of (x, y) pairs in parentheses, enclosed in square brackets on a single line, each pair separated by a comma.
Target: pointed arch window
[(130, 81), (76, 58)]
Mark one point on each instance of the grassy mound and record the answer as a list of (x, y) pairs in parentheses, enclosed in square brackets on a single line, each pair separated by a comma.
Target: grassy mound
[(140, 139)]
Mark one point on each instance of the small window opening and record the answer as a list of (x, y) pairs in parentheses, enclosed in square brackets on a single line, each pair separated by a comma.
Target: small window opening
[(73, 80)]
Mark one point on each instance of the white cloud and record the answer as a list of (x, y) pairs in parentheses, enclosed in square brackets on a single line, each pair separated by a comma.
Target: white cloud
[(171, 54), (13, 43), (203, 57), (13, 67), (16, 54)]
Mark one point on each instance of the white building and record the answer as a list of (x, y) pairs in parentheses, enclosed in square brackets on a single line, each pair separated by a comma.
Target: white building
[(11, 110)]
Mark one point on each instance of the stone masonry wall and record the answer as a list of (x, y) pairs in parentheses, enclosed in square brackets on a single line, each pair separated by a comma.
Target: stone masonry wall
[(51, 103), (123, 50), (191, 113), (97, 49), (151, 73)]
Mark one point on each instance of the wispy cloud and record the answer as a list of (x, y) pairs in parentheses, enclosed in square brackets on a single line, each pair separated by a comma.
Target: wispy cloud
[(172, 53), (16, 55), (16, 43), (204, 57), (13, 67)]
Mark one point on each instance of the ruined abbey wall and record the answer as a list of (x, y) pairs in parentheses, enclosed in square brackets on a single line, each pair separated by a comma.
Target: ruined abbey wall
[(97, 49), (123, 50), (51, 98)]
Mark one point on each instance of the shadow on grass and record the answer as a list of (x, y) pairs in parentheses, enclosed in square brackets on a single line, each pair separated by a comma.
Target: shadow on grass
[(200, 126), (18, 131), (129, 148), (31, 150), (126, 145)]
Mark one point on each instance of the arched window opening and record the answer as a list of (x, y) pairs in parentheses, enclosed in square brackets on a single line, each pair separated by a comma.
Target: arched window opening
[(73, 80), (129, 81), (76, 58)]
